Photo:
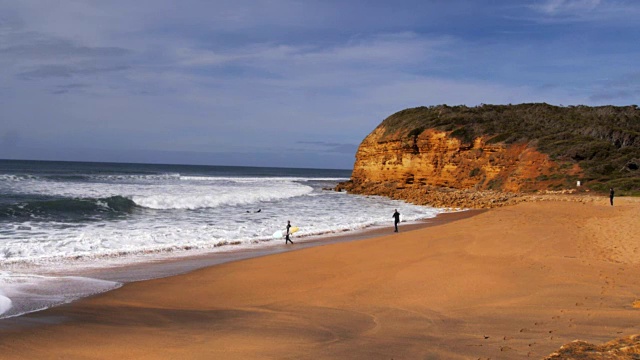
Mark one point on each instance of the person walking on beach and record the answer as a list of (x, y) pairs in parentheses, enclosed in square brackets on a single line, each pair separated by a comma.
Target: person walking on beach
[(396, 219), (287, 239), (611, 196)]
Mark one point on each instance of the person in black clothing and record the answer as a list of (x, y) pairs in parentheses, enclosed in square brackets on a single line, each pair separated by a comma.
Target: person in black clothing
[(396, 217), (611, 196), (287, 239)]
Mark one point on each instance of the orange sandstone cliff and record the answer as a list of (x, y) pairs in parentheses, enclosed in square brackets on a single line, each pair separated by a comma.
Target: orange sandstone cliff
[(493, 155), (433, 158)]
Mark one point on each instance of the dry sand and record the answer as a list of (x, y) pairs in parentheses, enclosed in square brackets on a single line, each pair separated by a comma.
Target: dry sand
[(509, 283)]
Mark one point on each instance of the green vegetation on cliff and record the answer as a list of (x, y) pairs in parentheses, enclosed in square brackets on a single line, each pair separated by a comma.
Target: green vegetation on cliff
[(604, 141)]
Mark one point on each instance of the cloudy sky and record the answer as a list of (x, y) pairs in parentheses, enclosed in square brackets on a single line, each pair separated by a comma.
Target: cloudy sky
[(293, 83)]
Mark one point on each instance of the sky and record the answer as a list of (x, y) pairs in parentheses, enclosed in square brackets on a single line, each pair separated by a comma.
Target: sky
[(288, 83)]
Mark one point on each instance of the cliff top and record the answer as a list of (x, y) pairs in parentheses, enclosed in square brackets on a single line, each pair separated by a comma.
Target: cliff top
[(604, 141)]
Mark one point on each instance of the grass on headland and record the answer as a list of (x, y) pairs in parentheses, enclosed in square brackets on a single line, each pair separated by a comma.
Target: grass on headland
[(604, 141)]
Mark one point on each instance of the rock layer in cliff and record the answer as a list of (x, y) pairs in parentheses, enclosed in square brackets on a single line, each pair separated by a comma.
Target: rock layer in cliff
[(512, 148)]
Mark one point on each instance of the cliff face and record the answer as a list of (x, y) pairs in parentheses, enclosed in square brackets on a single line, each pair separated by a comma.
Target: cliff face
[(487, 155), (432, 158)]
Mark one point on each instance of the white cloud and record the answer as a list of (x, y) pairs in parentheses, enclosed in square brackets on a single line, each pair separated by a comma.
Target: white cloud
[(377, 50), (554, 7), (248, 54), (614, 12), (381, 50)]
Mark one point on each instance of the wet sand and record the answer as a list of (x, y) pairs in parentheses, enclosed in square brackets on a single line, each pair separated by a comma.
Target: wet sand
[(508, 283)]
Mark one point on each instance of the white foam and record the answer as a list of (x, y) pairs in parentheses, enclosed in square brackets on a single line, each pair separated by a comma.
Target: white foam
[(190, 213), (204, 229), (24, 293), (15, 178), (222, 195), (166, 194), (166, 176), (206, 178), (5, 303)]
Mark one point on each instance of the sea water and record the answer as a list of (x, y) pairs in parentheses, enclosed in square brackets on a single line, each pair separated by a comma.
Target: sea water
[(60, 218)]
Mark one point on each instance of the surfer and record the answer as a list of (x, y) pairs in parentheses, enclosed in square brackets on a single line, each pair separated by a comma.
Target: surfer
[(287, 239), (396, 219)]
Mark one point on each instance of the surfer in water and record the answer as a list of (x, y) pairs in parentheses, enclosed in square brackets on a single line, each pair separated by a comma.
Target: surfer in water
[(396, 219), (287, 239)]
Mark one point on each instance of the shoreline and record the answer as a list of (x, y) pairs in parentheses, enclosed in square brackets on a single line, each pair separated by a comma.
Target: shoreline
[(512, 282), (167, 266)]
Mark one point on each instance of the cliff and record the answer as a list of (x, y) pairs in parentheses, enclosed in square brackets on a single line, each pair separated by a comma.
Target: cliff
[(495, 154)]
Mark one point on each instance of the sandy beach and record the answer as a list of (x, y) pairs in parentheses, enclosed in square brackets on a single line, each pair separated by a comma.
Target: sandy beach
[(508, 283)]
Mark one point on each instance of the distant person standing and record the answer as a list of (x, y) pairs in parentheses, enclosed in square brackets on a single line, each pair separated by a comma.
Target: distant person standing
[(396, 219), (611, 196), (287, 239)]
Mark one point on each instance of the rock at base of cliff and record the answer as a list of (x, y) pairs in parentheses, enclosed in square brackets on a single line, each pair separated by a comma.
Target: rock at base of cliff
[(619, 349)]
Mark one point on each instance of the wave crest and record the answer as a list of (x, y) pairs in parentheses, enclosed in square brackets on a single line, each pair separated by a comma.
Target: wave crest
[(220, 198), (51, 207)]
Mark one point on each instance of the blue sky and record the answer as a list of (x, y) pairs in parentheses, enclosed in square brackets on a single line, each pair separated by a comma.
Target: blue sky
[(288, 83)]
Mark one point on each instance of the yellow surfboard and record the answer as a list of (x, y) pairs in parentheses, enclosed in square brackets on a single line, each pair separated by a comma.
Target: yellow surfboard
[(281, 233)]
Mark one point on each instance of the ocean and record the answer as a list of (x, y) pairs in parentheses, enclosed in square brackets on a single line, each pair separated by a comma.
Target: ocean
[(59, 221)]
